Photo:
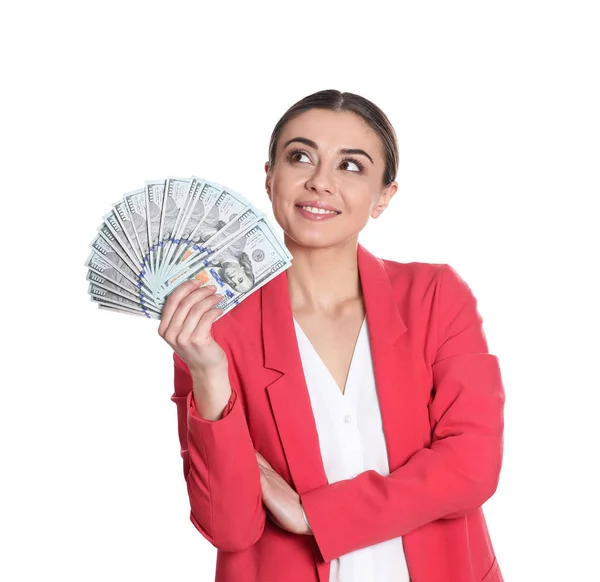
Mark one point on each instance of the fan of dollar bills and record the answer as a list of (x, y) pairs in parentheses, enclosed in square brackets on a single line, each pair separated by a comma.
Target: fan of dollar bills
[(175, 230)]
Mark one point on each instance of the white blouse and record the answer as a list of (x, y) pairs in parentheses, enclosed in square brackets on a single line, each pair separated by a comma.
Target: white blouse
[(352, 441)]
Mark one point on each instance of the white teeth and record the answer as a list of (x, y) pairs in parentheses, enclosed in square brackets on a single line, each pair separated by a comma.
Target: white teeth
[(318, 210)]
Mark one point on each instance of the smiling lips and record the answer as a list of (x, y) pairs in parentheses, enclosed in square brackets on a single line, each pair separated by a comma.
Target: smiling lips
[(316, 214), (318, 208)]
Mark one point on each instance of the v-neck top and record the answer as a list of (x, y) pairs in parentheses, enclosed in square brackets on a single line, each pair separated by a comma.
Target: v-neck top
[(352, 441)]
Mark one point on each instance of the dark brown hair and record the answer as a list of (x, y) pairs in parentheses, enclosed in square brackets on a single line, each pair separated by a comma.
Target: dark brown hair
[(337, 101)]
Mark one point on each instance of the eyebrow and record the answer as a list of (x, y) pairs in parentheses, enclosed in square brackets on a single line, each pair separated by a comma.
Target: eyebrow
[(312, 144)]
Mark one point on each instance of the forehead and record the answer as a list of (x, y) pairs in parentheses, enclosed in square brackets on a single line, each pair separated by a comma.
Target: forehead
[(333, 130)]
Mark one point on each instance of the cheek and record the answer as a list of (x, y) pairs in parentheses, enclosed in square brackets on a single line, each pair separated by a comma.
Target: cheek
[(287, 177), (361, 199), (281, 180), (283, 192)]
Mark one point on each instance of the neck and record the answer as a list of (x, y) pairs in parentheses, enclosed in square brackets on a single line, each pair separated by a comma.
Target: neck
[(323, 280)]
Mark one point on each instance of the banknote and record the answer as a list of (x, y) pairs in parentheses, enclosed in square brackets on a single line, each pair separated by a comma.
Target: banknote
[(219, 216), (245, 264), (154, 192), (103, 247), (225, 204), (176, 194), (202, 196), (98, 265), (176, 229), (98, 294), (109, 236), (106, 276), (106, 288), (208, 239), (136, 205), (123, 218), (106, 232)]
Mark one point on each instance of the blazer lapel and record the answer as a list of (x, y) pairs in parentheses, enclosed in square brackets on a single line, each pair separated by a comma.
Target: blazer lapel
[(396, 376), (289, 397)]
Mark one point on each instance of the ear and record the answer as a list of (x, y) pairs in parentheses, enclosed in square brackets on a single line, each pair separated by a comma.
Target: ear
[(268, 180), (384, 199)]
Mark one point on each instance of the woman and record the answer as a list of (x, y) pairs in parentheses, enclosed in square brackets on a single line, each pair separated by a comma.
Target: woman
[(345, 423)]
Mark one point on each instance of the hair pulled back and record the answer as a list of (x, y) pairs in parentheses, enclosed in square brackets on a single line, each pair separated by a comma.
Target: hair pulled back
[(337, 101)]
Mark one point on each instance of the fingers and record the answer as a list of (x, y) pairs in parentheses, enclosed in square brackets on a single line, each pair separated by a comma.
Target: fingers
[(190, 310), (199, 319), (202, 330), (264, 466), (173, 301), (262, 461), (178, 306)]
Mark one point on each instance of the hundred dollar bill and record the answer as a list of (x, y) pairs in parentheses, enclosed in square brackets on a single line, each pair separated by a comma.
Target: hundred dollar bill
[(101, 265), (109, 278), (179, 201), (102, 295), (109, 234), (136, 205), (154, 192), (102, 247), (247, 263), (207, 241), (200, 190), (192, 190), (211, 236), (176, 191), (201, 198), (98, 264), (228, 205), (128, 229), (114, 226), (113, 289)]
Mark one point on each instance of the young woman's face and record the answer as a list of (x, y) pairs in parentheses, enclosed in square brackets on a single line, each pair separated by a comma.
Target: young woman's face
[(333, 158)]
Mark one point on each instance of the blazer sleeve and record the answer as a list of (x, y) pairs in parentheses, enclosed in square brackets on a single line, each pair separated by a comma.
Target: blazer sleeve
[(219, 465), (457, 473)]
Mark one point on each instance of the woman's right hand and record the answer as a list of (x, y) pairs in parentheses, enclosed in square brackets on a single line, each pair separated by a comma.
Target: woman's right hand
[(186, 322)]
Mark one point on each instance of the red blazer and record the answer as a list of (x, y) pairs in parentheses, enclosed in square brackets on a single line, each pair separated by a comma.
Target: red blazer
[(441, 399)]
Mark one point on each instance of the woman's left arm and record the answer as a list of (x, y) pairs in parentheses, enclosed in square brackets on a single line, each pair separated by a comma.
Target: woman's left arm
[(457, 473)]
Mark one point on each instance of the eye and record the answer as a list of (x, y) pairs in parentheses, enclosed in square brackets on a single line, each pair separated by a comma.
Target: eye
[(298, 156), (351, 165)]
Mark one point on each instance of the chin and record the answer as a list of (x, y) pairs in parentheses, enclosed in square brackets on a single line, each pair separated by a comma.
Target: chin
[(321, 241)]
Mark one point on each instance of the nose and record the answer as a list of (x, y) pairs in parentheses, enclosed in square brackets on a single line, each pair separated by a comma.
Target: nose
[(321, 180)]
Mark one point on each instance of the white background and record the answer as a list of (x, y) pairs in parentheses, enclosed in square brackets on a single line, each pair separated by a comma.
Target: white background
[(496, 109)]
